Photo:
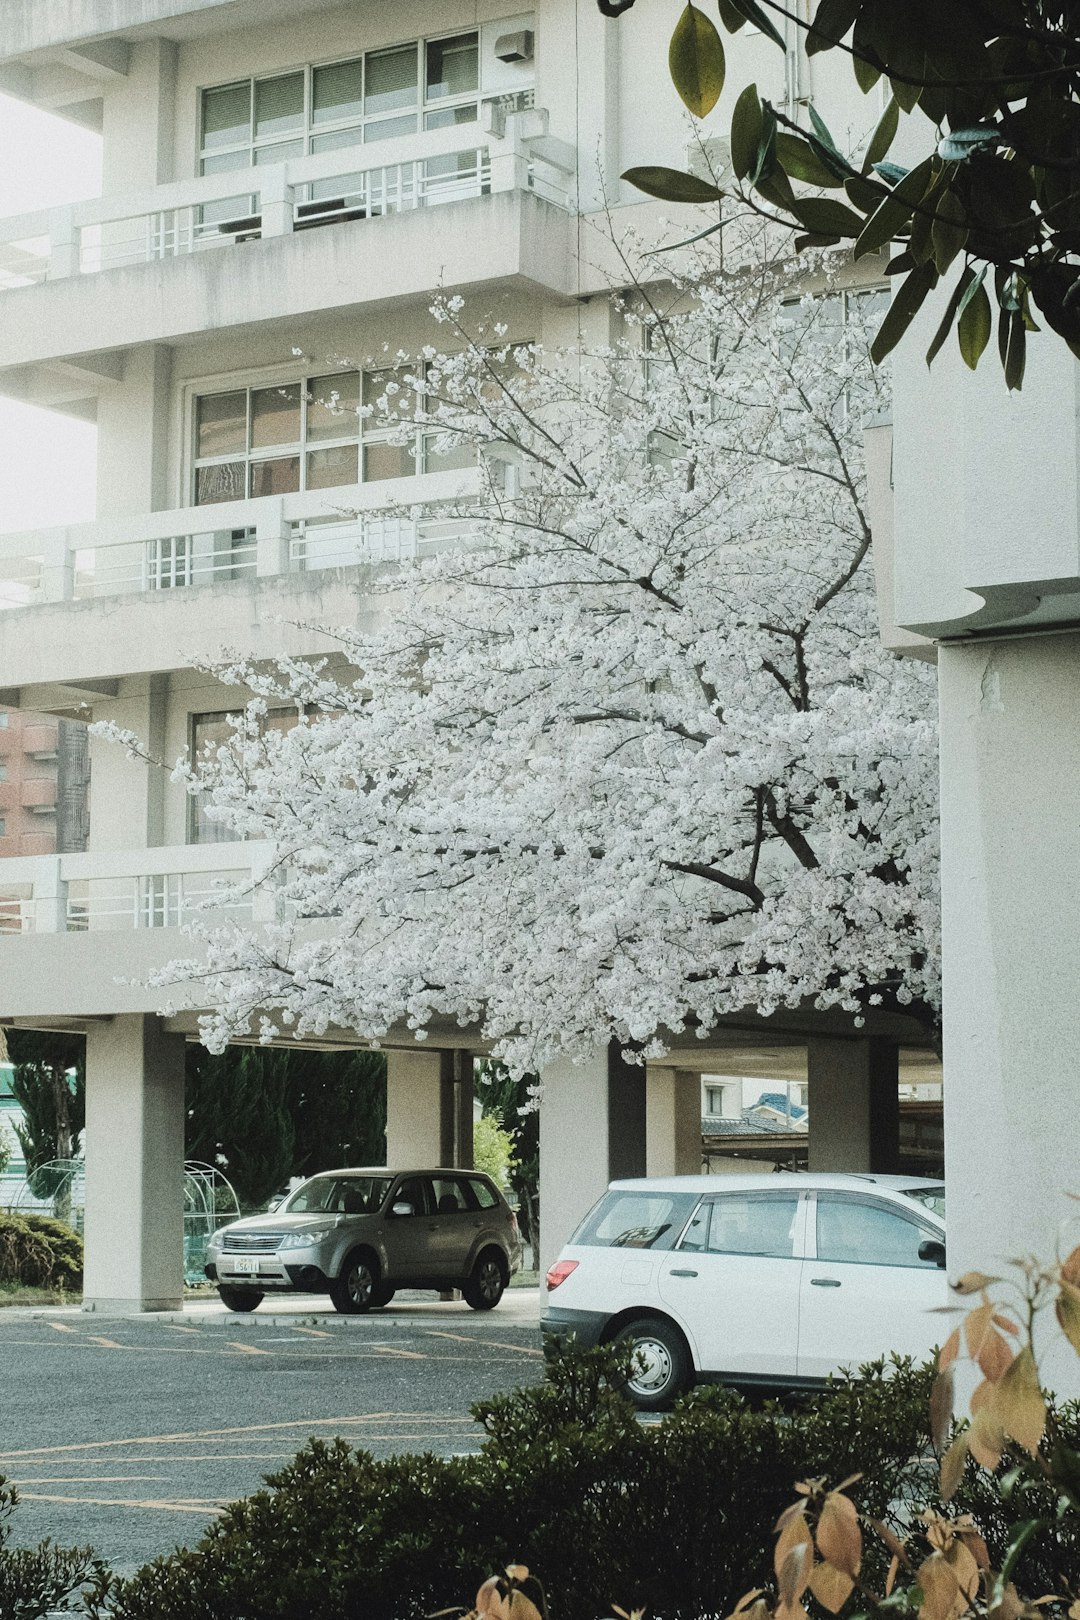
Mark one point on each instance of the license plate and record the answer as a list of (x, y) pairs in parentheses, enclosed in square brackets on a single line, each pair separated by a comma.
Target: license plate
[(246, 1264)]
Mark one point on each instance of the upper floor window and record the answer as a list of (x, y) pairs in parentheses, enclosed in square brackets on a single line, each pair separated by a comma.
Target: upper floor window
[(307, 434), (427, 84)]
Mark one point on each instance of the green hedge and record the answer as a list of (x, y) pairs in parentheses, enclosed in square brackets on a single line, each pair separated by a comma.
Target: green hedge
[(36, 1252), (676, 1515)]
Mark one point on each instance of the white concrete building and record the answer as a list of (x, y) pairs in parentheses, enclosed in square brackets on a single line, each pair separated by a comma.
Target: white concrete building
[(285, 184)]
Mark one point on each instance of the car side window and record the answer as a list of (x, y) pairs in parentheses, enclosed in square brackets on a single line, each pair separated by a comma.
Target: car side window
[(413, 1190), (485, 1196), (853, 1231), (745, 1223), (450, 1196)]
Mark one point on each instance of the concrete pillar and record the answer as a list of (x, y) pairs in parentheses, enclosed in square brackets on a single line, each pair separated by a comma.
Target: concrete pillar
[(854, 1104), (128, 797), (134, 1166), (1010, 859), (414, 1109), (133, 437), (672, 1122), (592, 1131), (456, 1109), (139, 119)]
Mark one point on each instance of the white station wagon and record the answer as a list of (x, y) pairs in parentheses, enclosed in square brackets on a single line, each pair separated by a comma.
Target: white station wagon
[(754, 1279)]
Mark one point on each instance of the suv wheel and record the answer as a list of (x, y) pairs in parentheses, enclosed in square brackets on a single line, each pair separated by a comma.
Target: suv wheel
[(240, 1299), (381, 1294), (486, 1283), (660, 1365), (351, 1293)]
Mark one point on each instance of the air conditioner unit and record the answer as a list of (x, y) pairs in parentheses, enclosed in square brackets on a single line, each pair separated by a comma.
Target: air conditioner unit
[(516, 47)]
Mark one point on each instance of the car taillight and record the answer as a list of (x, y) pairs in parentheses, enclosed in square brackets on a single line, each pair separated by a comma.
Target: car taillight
[(514, 1224), (559, 1272)]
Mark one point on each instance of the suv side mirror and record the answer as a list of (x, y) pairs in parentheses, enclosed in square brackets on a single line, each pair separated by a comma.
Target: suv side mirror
[(933, 1249), (404, 1208)]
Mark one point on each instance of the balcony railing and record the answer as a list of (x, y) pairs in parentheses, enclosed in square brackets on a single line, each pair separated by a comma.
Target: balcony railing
[(122, 890), (216, 211), (209, 545)]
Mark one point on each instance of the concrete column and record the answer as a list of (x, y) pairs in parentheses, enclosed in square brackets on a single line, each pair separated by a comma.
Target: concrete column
[(134, 1166), (128, 797), (139, 119), (672, 1122), (854, 1104), (592, 1131), (133, 436), (456, 1109), (1010, 859), (413, 1109)]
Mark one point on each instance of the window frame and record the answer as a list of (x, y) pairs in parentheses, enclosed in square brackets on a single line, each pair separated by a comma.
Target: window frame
[(308, 130), (755, 1195)]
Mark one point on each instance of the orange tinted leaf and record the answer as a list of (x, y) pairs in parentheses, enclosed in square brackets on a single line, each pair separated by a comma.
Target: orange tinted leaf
[(986, 1438), (838, 1537), (517, 1572), (747, 1598), (952, 1466), (891, 1540), (1067, 1310), (994, 1357), (519, 1607), (831, 1586), (949, 1350), (489, 1599), (972, 1282), (890, 1578), (964, 1567), (1070, 1266), (1005, 1323), (941, 1407), (981, 1396), (1019, 1403), (941, 1594), (977, 1324), (793, 1572)]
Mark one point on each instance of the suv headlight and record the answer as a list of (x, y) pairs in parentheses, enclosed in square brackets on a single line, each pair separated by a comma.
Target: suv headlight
[(303, 1240)]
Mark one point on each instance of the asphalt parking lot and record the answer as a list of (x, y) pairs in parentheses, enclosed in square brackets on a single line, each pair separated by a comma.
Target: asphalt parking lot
[(131, 1433)]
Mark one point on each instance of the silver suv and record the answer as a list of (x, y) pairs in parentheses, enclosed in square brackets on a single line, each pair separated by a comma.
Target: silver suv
[(359, 1235)]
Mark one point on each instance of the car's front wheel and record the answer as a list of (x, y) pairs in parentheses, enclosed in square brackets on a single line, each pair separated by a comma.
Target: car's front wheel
[(660, 1365), (240, 1299), (351, 1293), (486, 1282)]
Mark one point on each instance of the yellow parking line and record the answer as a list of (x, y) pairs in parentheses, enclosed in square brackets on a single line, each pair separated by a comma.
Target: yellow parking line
[(202, 1508), (110, 1344), (488, 1344), (61, 1327), (182, 1437), (392, 1350), (174, 1329), (247, 1349), (314, 1333)]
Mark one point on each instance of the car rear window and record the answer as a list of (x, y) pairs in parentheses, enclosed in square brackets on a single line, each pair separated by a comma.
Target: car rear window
[(635, 1220), (485, 1195), (931, 1198)]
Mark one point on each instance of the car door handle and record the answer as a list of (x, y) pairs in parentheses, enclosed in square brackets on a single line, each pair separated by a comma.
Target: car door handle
[(825, 1282), (675, 1273)]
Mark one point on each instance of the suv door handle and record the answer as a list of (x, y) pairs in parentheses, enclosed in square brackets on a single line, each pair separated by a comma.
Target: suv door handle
[(825, 1282), (675, 1273)]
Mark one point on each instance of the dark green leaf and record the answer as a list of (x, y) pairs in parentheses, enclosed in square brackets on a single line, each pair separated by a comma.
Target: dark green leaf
[(865, 194), (973, 327), (906, 94), (949, 231), (1012, 347), (866, 74), (765, 156), (751, 13), (971, 289), (958, 145), (883, 136), (745, 131), (777, 190), (801, 162), (696, 61), (699, 236), (902, 311), (730, 15), (891, 173), (672, 185), (828, 216), (967, 276), (832, 20), (814, 240), (893, 214), (821, 130)]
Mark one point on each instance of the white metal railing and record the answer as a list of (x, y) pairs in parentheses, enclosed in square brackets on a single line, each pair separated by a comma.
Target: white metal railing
[(123, 890), (210, 545), (213, 211)]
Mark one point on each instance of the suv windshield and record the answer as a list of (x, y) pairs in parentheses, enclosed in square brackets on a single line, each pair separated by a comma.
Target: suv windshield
[(931, 1198), (339, 1195)]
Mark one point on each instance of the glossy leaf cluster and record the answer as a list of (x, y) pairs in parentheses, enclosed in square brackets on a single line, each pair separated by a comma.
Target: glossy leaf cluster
[(995, 200)]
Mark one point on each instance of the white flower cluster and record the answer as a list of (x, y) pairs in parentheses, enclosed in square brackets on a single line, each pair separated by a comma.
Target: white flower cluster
[(631, 759)]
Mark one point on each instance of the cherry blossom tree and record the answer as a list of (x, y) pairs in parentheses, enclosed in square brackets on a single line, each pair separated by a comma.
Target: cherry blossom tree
[(631, 757)]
